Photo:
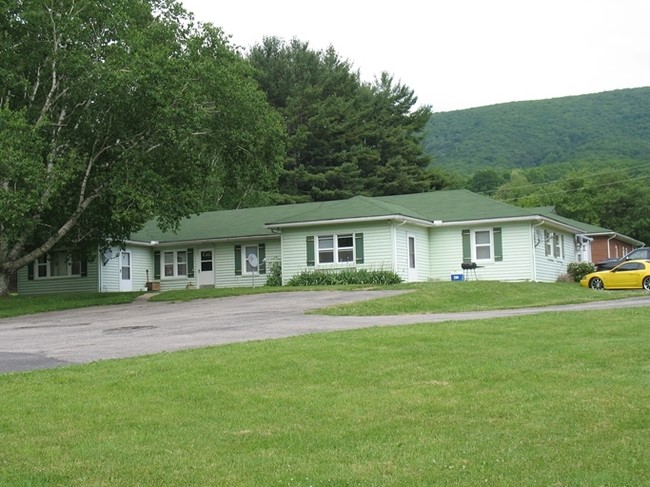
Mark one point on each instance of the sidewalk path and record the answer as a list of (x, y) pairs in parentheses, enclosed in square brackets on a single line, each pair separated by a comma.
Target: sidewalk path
[(84, 335)]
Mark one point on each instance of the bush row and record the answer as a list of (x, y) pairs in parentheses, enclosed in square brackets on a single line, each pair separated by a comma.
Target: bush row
[(345, 276)]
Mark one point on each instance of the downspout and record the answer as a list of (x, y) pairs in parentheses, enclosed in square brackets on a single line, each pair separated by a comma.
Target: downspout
[(534, 249), (609, 254), (394, 244), (99, 272)]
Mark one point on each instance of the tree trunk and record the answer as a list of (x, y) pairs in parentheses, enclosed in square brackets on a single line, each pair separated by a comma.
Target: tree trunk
[(5, 279)]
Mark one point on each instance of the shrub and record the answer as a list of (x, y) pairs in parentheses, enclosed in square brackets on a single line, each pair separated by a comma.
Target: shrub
[(274, 276), (345, 276), (578, 270)]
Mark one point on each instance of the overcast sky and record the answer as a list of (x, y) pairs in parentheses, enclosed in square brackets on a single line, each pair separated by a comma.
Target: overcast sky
[(459, 54)]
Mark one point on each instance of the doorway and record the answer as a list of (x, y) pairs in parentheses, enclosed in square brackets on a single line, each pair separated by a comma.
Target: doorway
[(206, 268), (126, 280)]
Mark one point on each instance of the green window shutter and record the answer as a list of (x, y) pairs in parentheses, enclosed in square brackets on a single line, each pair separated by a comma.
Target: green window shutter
[(238, 260), (261, 255), (30, 271), (84, 268), (311, 260), (190, 262), (358, 247), (467, 247), (498, 245), (156, 264)]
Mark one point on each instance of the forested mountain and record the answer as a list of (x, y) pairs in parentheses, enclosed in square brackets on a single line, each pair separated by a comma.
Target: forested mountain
[(609, 125)]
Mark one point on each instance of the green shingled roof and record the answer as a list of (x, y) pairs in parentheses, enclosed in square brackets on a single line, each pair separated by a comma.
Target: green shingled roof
[(358, 207), (225, 224), (446, 206), (456, 205)]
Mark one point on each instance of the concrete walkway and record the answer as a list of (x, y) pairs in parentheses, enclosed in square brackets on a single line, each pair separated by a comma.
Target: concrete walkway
[(84, 335)]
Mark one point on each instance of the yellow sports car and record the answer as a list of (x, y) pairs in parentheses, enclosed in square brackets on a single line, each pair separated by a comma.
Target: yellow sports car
[(632, 274)]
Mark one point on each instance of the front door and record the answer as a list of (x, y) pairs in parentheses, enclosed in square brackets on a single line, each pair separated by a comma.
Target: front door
[(206, 268), (126, 278), (412, 268)]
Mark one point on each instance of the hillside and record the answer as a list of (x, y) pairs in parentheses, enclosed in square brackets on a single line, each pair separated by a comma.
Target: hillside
[(603, 126)]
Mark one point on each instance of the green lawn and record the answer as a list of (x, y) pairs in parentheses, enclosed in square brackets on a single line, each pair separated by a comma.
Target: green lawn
[(447, 297), (21, 305), (549, 400), (429, 297)]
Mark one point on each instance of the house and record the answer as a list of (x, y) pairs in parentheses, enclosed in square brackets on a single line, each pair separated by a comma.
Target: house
[(596, 244), (421, 237)]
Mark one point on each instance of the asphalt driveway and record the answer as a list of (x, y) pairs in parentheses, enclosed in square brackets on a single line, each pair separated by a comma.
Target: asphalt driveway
[(48, 340)]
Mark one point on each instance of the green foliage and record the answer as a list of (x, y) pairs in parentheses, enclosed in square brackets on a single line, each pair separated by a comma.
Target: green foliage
[(112, 113), (578, 270), (608, 125), (344, 137), (344, 276), (274, 275)]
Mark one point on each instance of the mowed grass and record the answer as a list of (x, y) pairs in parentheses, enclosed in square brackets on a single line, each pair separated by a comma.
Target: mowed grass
[(15, 305), (429, 297), (447, 297), (558, 399), (433, 297)]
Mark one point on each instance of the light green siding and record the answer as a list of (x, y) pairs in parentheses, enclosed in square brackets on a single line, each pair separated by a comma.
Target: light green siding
[(422, 253), (72, 284), (224, 263), (141, 261), (377, 247), (173, 283), (550, 267), (517, 263)]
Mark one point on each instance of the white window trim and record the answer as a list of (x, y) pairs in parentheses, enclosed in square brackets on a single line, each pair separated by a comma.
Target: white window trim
[(48, 268), (474, 246), (335, 249), (548, 244), (244, 261), (175, 263), (558, 246)]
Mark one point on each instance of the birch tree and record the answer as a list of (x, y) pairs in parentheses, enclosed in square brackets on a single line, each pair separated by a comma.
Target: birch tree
[(116, 112)]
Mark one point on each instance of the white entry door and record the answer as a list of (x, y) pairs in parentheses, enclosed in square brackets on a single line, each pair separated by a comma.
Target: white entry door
[(206, 268), (412, 265), (126, 277)]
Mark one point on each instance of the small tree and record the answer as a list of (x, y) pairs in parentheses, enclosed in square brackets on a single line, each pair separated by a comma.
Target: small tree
[(578, 270)]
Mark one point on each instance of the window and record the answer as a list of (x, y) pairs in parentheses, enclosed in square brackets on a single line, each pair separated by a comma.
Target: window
[(58, 264), (175, 263), (336, 249), (558, 246), (411, 252), (206, 261), (249, 252), (553, 245), (548, 243), (242, 262), (484, 245), (630, 266), (326, 249)]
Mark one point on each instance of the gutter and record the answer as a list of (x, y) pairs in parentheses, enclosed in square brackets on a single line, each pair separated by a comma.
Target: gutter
[(360, 219), (535, 218), (172, 243)]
